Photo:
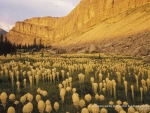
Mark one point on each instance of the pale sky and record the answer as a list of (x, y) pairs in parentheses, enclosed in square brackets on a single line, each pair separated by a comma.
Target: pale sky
[(19, 10)]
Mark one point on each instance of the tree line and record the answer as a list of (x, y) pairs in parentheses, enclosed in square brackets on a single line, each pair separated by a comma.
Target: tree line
[(6, 47)]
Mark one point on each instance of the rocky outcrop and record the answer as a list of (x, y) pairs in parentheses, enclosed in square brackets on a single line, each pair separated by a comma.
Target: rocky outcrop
[(87, 14), (140, 51)]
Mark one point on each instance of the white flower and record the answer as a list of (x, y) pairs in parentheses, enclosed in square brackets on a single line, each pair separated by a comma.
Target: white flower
[(118, 108), (100, 85), (101, 97), (122, 111), (67, 81), (11, 110), (44, 93), (88, 97), (131, 110), (38, 90), (125, 103), (95, 108), (103, 110), (16, 102), (11, 97), (68, 88), (90, 108), (145, 108), (24, 82), (30, 106), (81, 103), (48, 108), (84, 110), (70, 79), (29, 97), (119, 102), (63, 73), (41, 92), (75, 99), (81, 77), (48, 102), (23, 99), (111, 103), (27, 108), (92, 79), (74, 90), (95, 86), (67, 74), (97, 97), (38, 97), (62, 94), (60, 86), (100, 77), (41, 106), (57, 75), (56, 106), (3, 97)]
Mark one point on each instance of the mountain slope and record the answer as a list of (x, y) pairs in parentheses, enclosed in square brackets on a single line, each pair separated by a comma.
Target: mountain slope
[(2, 31), (131, 32), (99, 22)]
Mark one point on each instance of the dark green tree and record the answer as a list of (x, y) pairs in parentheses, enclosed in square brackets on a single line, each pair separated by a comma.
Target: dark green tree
[(6, 48), (1, 44), (14, 49)]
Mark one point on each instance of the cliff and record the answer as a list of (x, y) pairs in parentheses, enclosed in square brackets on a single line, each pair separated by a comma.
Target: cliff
[(91, 20)]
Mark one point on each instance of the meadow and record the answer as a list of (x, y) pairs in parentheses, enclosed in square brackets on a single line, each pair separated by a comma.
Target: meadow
[(74, 83)]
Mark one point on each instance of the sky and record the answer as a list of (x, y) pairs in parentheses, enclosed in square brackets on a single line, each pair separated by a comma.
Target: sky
[(12, 11)]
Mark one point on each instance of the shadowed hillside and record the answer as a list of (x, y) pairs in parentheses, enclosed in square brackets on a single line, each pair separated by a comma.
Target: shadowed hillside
[(2, 31)]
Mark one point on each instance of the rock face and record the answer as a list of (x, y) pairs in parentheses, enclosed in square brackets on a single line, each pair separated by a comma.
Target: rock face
[(86, 16)]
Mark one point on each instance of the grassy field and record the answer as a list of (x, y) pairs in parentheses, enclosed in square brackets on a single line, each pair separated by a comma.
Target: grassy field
[(90, 66)]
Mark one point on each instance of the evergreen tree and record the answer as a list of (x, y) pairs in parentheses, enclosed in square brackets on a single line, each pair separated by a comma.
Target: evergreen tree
[(14, 48), (25, 48), (5, 46), (1, 45)]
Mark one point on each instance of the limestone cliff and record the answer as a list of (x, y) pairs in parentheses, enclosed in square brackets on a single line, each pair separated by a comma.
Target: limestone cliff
[(88, 15)]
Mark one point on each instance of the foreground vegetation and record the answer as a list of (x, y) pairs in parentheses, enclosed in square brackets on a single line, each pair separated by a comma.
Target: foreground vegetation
[(74, 84)]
